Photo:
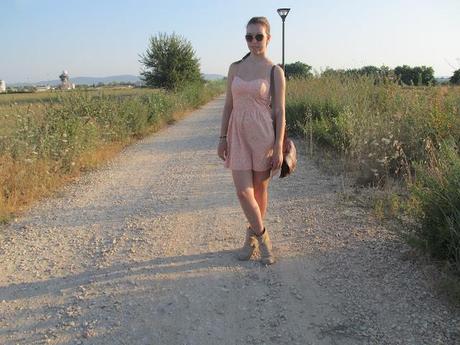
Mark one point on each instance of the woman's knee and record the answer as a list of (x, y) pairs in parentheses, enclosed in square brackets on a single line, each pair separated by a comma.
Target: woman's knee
[(245, 194)]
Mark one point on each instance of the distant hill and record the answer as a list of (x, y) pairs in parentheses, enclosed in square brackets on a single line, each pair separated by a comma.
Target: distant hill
[(213, 76), (442, 80), (124, 78)]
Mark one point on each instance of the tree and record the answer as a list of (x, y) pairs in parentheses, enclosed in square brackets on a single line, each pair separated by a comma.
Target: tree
[(298, 70), (370, 71), (415, 76), (404, 74), (169, 62), (330, 72), (455, 79)]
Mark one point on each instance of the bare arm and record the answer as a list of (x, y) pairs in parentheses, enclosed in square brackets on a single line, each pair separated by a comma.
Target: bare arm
[(279, 108), (228, 107)]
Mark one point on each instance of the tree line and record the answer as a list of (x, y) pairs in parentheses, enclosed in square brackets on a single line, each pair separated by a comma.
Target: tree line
[(405, 75), (170, 62)]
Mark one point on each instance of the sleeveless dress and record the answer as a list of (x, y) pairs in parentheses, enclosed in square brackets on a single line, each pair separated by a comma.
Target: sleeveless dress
[(250, 134)]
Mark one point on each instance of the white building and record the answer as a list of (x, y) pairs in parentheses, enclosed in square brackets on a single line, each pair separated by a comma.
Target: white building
[(2, 86), (65, 82)]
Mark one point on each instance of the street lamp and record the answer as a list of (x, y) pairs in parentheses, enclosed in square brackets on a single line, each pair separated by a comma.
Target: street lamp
[(283, 12)]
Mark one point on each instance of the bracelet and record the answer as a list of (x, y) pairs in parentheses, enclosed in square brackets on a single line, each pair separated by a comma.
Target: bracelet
[(223, 137)]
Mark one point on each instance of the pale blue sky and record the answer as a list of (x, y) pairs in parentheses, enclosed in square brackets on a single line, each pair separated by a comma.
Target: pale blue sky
[(104, 37)]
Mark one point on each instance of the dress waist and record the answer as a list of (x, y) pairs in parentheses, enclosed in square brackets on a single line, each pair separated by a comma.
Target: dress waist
[(250, 105)]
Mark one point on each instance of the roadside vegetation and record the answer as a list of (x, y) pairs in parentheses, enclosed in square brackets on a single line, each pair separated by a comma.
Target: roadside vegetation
[(398, 142), (49, 138)]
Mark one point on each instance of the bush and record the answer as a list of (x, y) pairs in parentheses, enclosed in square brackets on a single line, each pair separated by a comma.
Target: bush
[(436, 196), (298, 70), (170, 62), (419, 75), (380, 126), (40, 144), (455, 79)]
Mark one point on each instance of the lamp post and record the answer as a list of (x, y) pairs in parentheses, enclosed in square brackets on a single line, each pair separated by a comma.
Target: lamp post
[(283, 12)]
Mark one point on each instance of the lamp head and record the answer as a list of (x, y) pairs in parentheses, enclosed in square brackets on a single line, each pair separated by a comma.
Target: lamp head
[(283, 12)]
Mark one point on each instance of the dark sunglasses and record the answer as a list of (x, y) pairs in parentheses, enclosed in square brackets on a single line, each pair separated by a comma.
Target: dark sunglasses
[(258, 37)]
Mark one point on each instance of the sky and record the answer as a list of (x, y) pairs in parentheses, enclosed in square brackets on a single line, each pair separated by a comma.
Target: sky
[(100, 38)]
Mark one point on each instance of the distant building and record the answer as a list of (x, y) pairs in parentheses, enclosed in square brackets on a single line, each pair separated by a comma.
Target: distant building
[(42, 88), (65, 83), (2, 86)]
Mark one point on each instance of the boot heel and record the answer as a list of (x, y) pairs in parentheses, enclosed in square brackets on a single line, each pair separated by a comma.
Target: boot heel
[(250, 245), (265, 248)]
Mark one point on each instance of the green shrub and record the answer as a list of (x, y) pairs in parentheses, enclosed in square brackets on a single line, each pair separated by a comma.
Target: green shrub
[(380, 126), (436, 195), (55, 135), (170, 62)]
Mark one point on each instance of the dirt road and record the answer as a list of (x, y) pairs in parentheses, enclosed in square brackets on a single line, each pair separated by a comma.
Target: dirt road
[(141, 252)]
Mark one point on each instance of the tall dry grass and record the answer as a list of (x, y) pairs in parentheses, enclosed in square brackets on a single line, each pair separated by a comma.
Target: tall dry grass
[(382, 127), (390, 133)]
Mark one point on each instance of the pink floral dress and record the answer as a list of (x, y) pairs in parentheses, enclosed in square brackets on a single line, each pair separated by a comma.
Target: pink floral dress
[(250, 134)]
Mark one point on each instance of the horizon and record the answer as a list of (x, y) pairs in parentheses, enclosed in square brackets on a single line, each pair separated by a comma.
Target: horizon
[(106, 38), (40, 82)]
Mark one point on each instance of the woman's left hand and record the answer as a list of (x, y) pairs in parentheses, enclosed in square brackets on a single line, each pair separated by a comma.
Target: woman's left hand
[(277, 159)]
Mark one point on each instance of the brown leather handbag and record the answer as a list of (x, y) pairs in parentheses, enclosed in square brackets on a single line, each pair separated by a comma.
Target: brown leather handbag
[(289, 150)]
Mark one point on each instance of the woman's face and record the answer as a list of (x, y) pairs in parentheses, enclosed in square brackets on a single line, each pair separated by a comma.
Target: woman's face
[(257, 31)]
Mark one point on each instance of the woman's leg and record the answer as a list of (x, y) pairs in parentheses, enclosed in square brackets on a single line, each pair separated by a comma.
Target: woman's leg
[(243, 180), (260, 183)]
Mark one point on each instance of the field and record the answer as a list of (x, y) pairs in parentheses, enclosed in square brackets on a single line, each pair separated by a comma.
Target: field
[(404, 141), (48, 138), (53, 95)]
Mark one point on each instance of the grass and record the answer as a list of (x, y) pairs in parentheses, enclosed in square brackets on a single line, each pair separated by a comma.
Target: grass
[(52, 139), (380, 128), (403, 141), (28, 98)]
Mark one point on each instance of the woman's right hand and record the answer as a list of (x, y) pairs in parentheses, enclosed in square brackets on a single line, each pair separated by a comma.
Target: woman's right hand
[(222, 149)]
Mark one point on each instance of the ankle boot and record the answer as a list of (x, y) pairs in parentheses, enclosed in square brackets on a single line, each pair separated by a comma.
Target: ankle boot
[(250, 245), (265, 248)]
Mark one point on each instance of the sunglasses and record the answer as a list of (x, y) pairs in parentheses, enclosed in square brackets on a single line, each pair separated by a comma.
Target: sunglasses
[(258, 37)]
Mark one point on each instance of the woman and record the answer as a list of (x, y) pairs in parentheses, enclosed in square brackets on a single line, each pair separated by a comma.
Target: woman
[(248, 143)]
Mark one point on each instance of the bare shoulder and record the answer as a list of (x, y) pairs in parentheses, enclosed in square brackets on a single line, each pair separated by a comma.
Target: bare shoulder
[(232, 69), (279, 73)]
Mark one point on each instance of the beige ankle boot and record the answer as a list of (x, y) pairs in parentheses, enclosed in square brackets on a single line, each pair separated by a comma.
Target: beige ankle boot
[(265, 248), (250, 245)]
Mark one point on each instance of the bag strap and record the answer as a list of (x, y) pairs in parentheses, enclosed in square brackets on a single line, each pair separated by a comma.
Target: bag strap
[(272, 91)]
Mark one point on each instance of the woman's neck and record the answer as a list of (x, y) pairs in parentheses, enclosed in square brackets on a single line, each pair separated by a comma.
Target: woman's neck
[(257, 58)]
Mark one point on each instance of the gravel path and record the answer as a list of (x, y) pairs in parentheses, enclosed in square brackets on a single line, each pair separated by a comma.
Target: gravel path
[(141, 252)]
